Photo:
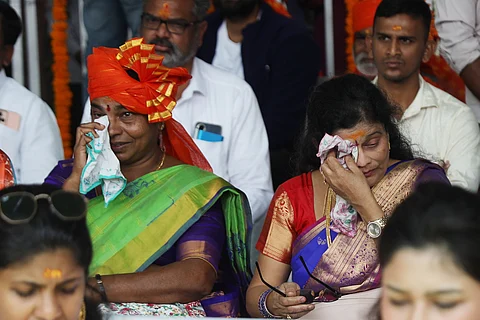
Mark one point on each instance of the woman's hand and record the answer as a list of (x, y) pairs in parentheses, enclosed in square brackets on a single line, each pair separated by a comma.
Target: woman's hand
[(291, 305), (351, 185), (80, 153), (81, 142)]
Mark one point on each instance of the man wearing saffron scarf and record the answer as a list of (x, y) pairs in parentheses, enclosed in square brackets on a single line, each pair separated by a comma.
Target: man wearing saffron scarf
[(362, 24), (175, 231), (277, 56)]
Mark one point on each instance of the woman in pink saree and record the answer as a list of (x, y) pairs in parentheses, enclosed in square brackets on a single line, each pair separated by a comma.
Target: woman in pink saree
[(331, 250)]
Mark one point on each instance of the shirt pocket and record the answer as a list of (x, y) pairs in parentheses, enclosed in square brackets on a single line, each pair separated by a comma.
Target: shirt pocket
[(216, 155)]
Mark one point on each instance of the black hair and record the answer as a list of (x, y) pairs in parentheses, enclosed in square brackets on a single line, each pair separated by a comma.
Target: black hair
[(415, 9), (342, 103), (45, 233), (133, 74), (11, 24), (436, 215)]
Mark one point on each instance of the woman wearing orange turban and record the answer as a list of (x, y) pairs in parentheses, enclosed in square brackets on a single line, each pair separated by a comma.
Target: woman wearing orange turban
[(161, 240)]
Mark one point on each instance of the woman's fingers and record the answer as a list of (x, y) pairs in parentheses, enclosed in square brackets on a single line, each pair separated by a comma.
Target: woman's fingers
[(291, 289), (91, 127), (352, 166), (293, 304), (299, 310)]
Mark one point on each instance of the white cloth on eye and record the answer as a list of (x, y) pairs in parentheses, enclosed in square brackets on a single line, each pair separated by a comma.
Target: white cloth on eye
[(103, 166), (344, 216)]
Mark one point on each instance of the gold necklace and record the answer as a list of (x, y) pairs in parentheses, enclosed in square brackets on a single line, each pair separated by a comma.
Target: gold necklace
[(161, 162)]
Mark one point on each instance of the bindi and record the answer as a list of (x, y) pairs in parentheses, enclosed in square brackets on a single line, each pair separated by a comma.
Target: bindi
[(52, 273), (108, 108), (397, 28), (164, 13)]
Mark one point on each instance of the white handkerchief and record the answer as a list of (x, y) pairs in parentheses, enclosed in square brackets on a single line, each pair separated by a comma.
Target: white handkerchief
[(103, 167), (344, 216)]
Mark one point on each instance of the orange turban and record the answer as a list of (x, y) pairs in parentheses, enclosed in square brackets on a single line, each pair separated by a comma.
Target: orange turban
[(153, 94), (364, 14)]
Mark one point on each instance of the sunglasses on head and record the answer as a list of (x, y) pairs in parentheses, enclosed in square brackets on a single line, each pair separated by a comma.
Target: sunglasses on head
[(21, 206), (328, 294)]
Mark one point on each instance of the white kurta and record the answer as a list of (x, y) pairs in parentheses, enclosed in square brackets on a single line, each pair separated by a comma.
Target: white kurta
[(36, 147)]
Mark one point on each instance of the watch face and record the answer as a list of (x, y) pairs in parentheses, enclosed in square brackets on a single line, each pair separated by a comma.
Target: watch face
[(374, 230)]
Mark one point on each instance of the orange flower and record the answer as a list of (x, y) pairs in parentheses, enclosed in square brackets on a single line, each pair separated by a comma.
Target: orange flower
[(61, 75)]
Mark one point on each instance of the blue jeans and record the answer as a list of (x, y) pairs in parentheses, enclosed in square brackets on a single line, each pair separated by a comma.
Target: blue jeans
[(107, 23)]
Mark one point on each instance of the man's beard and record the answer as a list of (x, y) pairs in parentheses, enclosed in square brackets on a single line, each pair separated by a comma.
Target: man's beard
[(236, 10), (368, 67), (175, 58)]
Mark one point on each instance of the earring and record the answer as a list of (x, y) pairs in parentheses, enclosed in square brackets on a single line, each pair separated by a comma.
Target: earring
[(83, 312)]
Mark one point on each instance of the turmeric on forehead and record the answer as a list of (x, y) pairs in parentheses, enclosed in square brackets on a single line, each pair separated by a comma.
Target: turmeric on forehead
[(356, 135), (164, 13)]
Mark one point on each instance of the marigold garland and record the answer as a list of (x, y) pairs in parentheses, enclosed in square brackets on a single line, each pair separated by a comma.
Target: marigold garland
[(61, 75), (349, 4)]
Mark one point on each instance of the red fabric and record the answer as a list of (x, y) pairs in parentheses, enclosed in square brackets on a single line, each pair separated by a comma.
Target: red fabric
[(300, 193), (154, 94), (364, 14), (7, 177)]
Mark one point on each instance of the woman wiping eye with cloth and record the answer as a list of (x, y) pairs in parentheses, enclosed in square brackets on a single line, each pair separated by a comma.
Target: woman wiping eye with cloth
[(307, 231), (174, 233)]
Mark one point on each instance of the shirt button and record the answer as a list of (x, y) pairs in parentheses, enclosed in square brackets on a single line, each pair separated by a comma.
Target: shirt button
[(267, 67)]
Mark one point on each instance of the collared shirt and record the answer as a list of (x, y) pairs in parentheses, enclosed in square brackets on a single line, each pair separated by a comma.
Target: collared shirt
[(458, 24), (442, 128), (36, 147), (219, 98)]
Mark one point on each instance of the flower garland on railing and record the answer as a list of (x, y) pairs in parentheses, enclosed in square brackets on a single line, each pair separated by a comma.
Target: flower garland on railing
[(61, 76)]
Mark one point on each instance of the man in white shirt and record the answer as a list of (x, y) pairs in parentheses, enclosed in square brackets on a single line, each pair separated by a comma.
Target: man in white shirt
[(458, 25), (219, 110), (29, 133), (440, 127)]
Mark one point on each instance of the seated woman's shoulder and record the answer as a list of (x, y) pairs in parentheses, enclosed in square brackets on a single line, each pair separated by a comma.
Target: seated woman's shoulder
[(301, 181)]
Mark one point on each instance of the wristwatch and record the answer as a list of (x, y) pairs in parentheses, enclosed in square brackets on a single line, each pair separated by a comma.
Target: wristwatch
[(375, 227)]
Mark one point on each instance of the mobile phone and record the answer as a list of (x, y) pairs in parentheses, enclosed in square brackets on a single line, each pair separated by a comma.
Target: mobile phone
[(208, 132), (208, 127), (11, 119)]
